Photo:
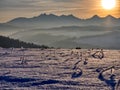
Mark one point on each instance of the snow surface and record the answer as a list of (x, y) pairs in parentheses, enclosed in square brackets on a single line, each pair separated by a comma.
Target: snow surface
[(56, 69)]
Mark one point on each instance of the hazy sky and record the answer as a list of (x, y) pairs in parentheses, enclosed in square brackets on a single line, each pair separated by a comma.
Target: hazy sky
[(10, 9)]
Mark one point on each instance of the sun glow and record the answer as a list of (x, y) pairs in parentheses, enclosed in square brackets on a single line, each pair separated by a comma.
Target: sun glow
[(108, 4)]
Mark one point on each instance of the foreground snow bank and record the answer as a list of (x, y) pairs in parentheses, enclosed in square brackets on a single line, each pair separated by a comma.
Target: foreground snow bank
[(32, 69)]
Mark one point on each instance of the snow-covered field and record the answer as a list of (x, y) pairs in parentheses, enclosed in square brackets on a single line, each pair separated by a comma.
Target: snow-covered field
[(59, 69)]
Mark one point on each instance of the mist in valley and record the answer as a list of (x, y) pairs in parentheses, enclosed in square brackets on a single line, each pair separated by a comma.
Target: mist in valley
[(65, 31)]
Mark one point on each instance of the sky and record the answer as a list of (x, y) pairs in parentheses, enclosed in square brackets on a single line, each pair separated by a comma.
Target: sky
[(10, 9)]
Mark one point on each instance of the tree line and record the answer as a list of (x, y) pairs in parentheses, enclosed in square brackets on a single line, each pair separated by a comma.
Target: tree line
[(6, 42)]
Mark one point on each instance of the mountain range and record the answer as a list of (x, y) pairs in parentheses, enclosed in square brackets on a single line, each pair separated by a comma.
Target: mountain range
[(51, 20), (65, 31)]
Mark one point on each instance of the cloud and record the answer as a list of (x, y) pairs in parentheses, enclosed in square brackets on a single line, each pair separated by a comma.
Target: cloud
[(16, 8), (44, 5), (66, 0), (37, 5), (8, 4), (27, 8)]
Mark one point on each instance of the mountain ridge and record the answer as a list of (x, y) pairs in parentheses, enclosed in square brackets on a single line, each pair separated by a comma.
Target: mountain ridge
[(70, 15), (51, 20)]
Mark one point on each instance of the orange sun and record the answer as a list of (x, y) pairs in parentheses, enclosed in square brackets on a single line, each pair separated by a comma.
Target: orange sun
[(108, 4)]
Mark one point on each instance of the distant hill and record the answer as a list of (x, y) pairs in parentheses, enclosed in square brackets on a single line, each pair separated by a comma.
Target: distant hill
[(6, 29), (51, 20), (70, 36), (6, 42)]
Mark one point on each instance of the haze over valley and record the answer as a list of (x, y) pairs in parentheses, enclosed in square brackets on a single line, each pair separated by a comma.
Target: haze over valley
[(65, 31)]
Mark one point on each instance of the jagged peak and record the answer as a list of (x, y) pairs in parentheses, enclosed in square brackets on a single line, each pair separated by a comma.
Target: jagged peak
[(53, 15), (44, 14), (110, 16), (95, 16)]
